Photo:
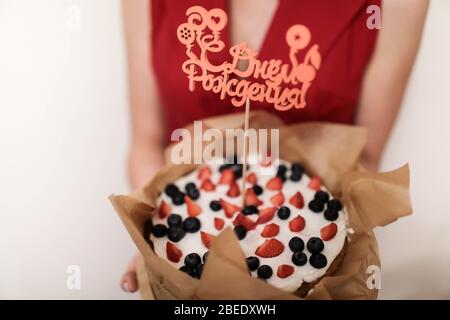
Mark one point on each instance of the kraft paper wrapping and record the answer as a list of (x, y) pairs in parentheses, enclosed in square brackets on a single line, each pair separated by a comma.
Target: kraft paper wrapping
[(328, 150)]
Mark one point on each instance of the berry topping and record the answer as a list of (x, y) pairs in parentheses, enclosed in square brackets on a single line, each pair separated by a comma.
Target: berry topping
[(295, 177), (270, 230), (204, 173), (315, 183), (251, 199), (199, 270), (234, 191), (328, 232), (322, 196), (252, 263), (174, 220), (238, 170), (190, 186), (265, 215), (270, 248), (227, 177), (219, 223), (159, 231), (297, 224), (194, 194), (264, 272), (207, 186), (296, 244), (315, 245), (331, 214), (192, 208), (277, 199), (334, 204), (275, 184), (284, 213), (215, 205), (173, 253), (299, 258), (188, 270), (225, 166), (258, 189), (248, 210), (285, 271), (316, 206), (192, 260), (240, 232), (178, 199), (281, 171), (206, 238), (244, 221), (229, 208), (297, 168), (175, 233), (171, 190), (297, 200), (191, 225), (251, 178), (205, 256), (318, 261), (164, 210)]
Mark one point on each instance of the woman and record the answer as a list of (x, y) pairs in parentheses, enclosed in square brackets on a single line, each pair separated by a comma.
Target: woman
[(361, 81)]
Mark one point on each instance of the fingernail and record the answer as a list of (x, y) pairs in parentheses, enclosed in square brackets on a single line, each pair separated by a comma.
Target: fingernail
[(125, 287)]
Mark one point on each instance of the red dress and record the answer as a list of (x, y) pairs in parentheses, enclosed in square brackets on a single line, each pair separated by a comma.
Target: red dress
[(338, 27)]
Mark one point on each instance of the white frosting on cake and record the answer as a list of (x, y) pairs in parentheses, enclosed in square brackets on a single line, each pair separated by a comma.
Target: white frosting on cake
[(192, 243)]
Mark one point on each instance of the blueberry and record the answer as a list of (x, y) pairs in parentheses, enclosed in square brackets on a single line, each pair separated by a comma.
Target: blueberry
[(205, 256), (296, 244), (318, 260), (225, 166), (199, 270), (190, 271), (297, 168), (282, 169), (331, 214), (171, 190), (284, 213), (159, 230), (265, 272), (315, 245), (191, 224), (174, 220), (215, 205), (175, 233), (240, 231), (335, 204), (178, 198), (299, 258), (250, 210), (148, 226), (252, 263), (192, 260), (190, 186), (258, 190), (316, 206), (296, 177), (322, 196), (238, 170), (194, 194)]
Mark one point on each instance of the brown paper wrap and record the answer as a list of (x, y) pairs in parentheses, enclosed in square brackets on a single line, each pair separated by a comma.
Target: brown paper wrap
[(328, 150)]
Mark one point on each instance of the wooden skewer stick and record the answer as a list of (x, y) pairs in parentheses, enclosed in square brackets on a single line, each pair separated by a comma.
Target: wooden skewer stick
[(244, 154)]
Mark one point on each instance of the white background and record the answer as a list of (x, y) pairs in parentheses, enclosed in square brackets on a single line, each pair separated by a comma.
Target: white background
[(64, 134)]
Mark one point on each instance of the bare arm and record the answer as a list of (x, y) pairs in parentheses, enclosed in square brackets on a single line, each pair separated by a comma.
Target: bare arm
[(145, 156), (388, 73)]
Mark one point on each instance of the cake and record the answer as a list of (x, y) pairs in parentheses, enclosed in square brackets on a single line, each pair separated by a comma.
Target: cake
[(289, 227)]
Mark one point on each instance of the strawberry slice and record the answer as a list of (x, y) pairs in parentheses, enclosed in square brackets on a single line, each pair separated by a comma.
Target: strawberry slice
[(270, 248), (207, 185), (251, 199), (234, 191), (173, 253), (265, 215), (206, 238), (270, 230), (164, 210), (243, 220), (227, 177), (204, 173), (278, 199), (285, 271), (251, 178), (275, 184), (297, 224), (192, 208), (315, 183), (297, 200), (219, 223), (229, 208), (328, 232)]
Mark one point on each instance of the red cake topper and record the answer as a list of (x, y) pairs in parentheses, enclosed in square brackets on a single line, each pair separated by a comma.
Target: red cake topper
[(201, 33)]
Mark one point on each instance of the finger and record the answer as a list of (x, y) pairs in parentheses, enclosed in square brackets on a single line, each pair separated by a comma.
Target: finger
[(129, 282)]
